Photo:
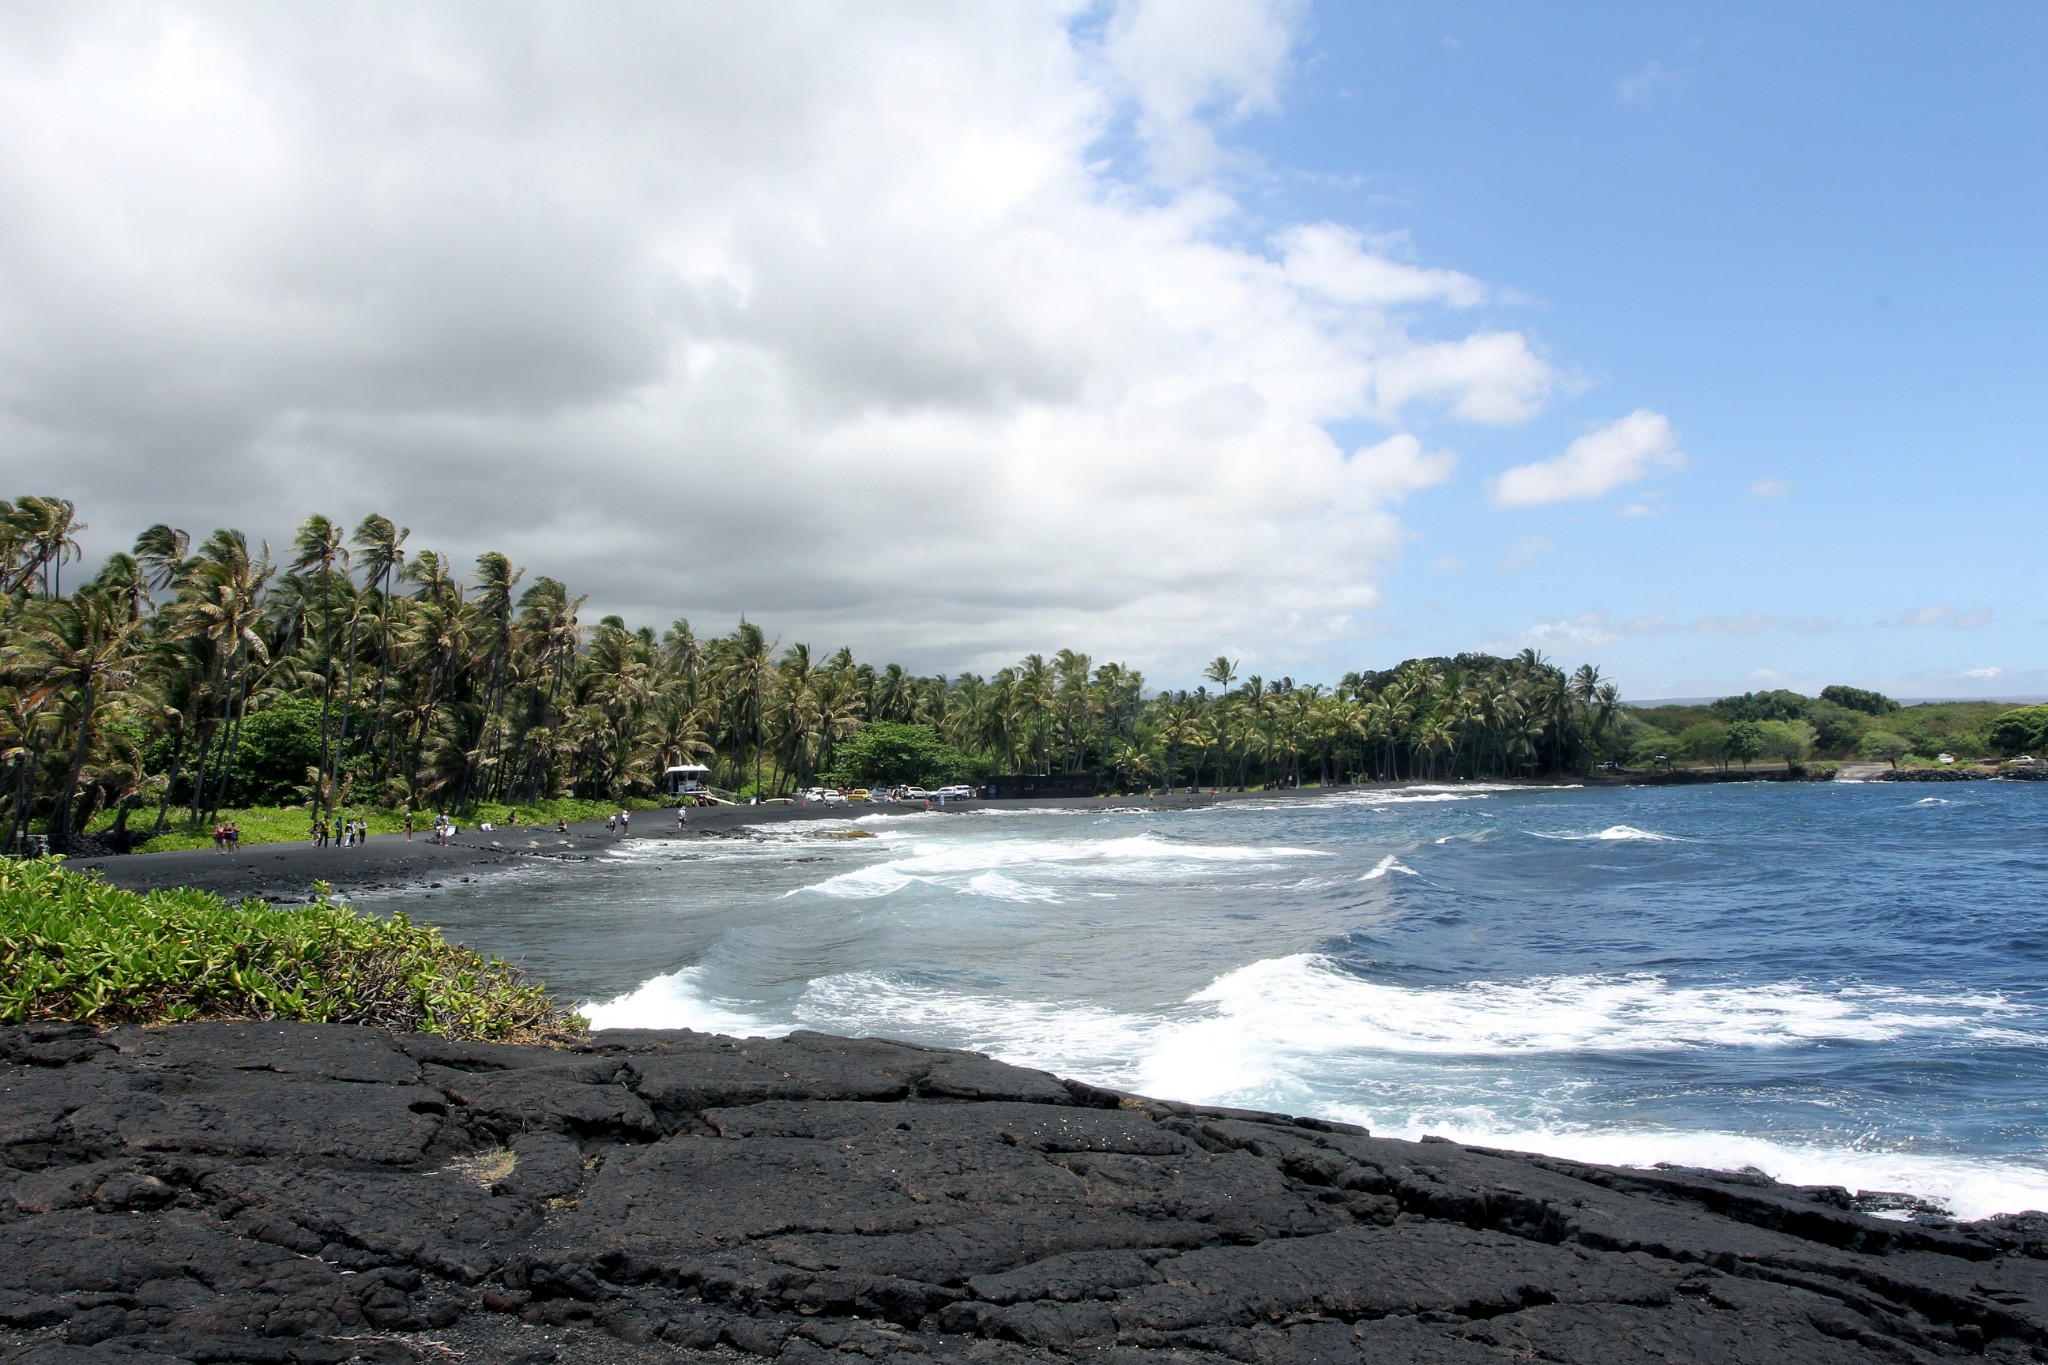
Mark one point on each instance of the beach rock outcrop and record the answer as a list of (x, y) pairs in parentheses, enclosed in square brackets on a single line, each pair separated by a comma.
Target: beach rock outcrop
[(298, 1193)]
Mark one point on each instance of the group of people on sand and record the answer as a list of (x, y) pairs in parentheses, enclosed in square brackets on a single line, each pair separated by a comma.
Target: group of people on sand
[(227, 837), (346, 833), (619, 825)]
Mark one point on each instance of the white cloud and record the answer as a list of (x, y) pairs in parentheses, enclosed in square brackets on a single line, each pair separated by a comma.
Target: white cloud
[(1596, 464), (1447, 564), (1590, 624), (1637, 509), (1332, 260), (1587, 631), (1188, 61), (1940, 614), (1769, 488), (706, 310), (1992, 672)]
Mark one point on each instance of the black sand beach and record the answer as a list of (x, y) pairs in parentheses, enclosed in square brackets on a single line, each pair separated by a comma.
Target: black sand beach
[(285, 872)]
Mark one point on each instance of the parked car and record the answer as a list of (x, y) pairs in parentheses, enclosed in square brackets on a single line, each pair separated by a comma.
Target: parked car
[(959, 791), (913, 794), (857, 794)]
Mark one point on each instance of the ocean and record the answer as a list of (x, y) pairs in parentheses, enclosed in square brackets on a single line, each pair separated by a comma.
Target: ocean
[(1830, 983)]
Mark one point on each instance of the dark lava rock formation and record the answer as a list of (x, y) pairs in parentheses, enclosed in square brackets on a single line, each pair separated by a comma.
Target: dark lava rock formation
[(280, 1193)]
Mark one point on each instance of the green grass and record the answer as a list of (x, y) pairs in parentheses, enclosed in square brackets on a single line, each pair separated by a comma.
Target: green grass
[(74, 948), (285, 824)]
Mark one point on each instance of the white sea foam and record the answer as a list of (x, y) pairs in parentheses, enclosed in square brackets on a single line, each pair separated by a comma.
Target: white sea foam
[(1139, 857), (1932, 801), (996, 886), (1617, 834), (1970, 1187), (1068, 1037), (677, 1000), (1263, 1026), (1389, 864)]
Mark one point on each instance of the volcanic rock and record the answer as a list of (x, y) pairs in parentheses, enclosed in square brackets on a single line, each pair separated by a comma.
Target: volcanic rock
[(299, 1193)]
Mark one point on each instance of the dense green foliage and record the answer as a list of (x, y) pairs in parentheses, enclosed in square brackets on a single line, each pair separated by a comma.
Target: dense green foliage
[(888, 753), (2023, 730), (1858, 699), (355, 674), (72, 947), (1843, 722)]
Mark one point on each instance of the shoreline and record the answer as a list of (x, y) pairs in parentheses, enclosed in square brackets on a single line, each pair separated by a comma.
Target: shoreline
[(284, 872)]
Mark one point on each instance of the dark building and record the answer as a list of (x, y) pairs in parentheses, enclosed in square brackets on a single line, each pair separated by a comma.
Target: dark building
[(1041, 785)]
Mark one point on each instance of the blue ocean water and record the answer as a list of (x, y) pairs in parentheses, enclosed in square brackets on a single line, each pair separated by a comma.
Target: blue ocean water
[(1837, 983)]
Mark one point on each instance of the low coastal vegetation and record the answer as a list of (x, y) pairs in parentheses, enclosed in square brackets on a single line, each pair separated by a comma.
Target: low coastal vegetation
[(286, 824), (354, 676), (74, 948), (1841, 723)]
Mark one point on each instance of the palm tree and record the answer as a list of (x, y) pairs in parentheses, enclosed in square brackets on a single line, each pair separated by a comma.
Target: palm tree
[(46, 530), (318, 548), (84, 646), (220, 607), (382, 544)]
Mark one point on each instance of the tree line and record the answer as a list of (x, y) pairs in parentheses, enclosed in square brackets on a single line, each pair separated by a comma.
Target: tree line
[(187, 677)]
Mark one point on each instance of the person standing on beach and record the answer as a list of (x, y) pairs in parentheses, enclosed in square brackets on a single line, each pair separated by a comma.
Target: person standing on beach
[(408, 826), (625, 823), (611, 825), (682, 816)]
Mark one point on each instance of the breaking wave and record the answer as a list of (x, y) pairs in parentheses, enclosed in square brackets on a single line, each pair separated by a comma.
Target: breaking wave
[(1389, 864), (1618, 834)]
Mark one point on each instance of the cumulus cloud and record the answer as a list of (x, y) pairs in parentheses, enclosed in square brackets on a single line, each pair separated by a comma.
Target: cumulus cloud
[(1596, 464), (849, 318), (1188, 62), (1769, 488)]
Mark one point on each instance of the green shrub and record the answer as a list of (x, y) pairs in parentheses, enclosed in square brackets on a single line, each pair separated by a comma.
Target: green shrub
[(73, 947), (888, 752), (2019, 731)]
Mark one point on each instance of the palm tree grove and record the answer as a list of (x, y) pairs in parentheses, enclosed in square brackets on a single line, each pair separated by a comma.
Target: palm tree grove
[(353, 671)]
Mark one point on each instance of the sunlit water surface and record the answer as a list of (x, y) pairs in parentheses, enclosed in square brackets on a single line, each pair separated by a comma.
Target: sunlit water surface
[(1833, 983)]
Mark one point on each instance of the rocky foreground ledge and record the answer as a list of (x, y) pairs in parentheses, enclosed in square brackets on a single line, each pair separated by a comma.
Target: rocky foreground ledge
[(273, 1193)]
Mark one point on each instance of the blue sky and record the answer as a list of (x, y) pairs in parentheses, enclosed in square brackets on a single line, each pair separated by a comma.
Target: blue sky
[(1811, 235), (1701, 342)]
